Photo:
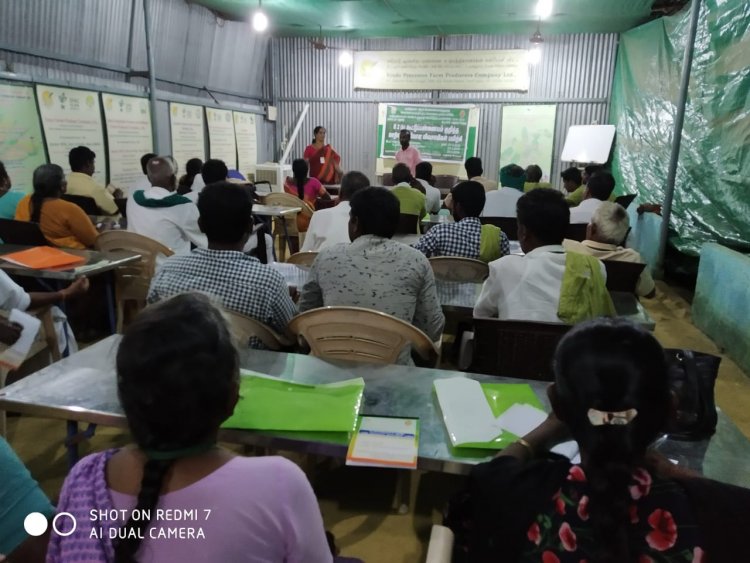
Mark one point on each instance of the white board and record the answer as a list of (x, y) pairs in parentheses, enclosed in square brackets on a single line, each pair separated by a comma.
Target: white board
[(221, 139), (128, 138), (246, 140), (188, 141), (588, 144)]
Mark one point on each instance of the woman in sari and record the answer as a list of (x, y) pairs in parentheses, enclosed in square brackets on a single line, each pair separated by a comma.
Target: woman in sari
[(324, 162), (305, 188)]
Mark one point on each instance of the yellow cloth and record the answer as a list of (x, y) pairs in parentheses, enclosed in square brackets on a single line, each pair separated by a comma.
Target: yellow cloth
[(412, 201), (84, 185), (583, 294), (62, 223), (576, 197), (528, 186), (489, 243)]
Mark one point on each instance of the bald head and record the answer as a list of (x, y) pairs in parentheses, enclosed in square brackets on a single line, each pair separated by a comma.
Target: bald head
[(162, 172)]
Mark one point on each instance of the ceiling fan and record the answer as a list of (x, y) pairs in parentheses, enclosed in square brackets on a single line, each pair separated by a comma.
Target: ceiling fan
[(319, 44)]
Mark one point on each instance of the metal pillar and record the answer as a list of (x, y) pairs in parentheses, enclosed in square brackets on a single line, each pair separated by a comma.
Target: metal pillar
[(679, 119), (130, 37), (278, 130), (151, 73)]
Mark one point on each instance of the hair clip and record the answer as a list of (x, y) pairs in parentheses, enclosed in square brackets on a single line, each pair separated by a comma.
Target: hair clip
[(605, 418)]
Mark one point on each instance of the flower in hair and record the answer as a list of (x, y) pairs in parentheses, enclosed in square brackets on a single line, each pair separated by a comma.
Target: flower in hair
[(611, 418)]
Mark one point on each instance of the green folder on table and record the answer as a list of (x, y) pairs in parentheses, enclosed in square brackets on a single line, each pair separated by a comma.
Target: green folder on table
[(269, 403)]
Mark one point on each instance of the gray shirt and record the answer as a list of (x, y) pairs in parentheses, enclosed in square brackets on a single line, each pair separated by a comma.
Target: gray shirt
[(380, 274)]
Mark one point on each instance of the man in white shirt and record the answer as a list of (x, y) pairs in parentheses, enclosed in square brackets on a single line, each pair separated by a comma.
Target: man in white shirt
[(600, 186), (408, 154), (431, 193), (331, 226), (143, 182), (604, 236), (474, 171), (163, 215), (528, 287), (501, 202)]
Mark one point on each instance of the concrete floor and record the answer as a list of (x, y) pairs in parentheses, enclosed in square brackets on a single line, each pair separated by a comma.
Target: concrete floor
[(357, 502)]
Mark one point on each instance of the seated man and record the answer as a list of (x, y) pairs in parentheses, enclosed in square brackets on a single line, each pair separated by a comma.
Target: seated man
[(81, 183), (163, 215), (467, 237), (572, 182), (512, 176), (331, 226), (222, 270), (547, 284), (142, 183), (501, 202), (214, 170), (374, 271), (411, 201), (604, 236), (598, 189), (432, 194), (474, 171), (534, 178)]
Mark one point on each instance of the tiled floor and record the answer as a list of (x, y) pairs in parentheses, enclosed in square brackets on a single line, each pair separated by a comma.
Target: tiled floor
[(356, 502)]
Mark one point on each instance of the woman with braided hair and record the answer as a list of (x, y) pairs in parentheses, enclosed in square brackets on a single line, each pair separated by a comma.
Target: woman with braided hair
[(176, 495), (622, 503)]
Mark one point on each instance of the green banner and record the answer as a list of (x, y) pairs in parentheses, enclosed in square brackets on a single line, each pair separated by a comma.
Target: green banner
[(440, 133)]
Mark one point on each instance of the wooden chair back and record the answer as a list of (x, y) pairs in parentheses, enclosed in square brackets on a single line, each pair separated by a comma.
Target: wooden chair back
[(444, 182), (522, 349), (576, 231), (22, 232), (454, 268), (622, 276), (132, 280), (304, 259), (244, 328), (360, 335), (88, 204), (408, 224), (509, 225), (387, 179)]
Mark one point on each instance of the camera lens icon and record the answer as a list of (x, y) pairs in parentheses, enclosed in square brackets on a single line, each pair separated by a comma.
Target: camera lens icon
[(35, 524)]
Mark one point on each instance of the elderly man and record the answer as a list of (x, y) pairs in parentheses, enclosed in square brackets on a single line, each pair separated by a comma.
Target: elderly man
[(81, 182), (599, 188), (604, 236), (408, 155), (163, 215), (374, 271)]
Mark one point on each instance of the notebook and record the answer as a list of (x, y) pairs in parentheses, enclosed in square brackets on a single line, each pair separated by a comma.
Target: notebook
[(385, 442), (44, 258)]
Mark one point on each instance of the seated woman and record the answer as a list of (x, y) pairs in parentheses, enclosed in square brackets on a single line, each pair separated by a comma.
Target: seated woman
[(307, 189), (62, 223), (8, 199), (622, 503), (178, 380), (191, 183)]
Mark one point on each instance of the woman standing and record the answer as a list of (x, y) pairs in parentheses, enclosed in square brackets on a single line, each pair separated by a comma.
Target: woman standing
[(305, 188), (324, 162)]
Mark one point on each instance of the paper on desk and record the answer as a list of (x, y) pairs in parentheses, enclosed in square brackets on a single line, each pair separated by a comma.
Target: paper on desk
[(15, 355), (385, 442)]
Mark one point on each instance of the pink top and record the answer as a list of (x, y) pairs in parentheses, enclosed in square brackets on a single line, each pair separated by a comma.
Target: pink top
[(410, 157), (262, 510), (313, 190)]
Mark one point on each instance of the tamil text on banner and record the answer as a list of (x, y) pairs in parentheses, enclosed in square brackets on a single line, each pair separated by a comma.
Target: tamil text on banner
[(527, 137), (72, 118), (442, 70), (188, 141), (21, 145), (221, 140), (129, 137), (247, 141), (440, 133)]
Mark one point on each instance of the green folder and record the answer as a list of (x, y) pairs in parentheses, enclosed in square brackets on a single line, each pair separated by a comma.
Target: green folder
[(268, 403)]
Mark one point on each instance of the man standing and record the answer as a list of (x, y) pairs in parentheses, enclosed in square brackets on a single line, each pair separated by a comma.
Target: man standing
[(408, 154), (81, 183), (161, 214), (223, 270), (376, 272), (330, 226)]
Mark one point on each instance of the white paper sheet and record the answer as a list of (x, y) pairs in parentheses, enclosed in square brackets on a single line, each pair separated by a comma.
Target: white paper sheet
[(15, 355), (466, 412)]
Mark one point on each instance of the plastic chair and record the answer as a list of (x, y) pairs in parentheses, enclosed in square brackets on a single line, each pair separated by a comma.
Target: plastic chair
[(287, 200), (244, 328), (623, 276), (407, 224), (132, 280), (304, 259), (522, 349), (440, 549), (457, 269), (576, 231), (22, 232), (88, 204), (509, 225), (46, 340), (360, 335)]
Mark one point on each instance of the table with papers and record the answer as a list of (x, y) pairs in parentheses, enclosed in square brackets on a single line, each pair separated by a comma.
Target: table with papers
[(82, 388)]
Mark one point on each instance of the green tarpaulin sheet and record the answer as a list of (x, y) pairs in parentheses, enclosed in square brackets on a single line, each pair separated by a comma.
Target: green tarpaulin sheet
[(274, 404), (712, 191)]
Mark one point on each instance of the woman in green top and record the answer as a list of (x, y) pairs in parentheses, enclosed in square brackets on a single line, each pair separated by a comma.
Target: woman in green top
[(8, 199)]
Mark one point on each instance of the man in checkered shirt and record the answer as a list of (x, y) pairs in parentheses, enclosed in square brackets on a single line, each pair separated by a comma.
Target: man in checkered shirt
[(240, 282), (467, 237)]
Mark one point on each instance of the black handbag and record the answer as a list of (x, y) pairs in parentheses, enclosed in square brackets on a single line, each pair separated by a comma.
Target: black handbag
[(691, 377)]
